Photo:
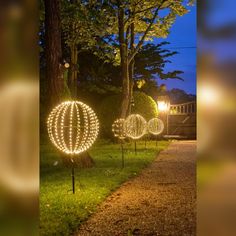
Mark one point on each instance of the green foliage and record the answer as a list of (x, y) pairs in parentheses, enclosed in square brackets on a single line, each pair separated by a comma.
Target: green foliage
[(180, 96), (84, 24), (151, 88), (94, 24), (151, 60), (100, 78), (109, 110), (144, 105), (151, 19), (61, 212), (66, 92), (98, 72)]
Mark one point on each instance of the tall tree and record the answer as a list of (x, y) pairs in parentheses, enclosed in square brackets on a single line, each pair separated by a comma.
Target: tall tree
[(138, 22), (101, 76), (53, 51), (84, 24), (123, 59), (128, 26)]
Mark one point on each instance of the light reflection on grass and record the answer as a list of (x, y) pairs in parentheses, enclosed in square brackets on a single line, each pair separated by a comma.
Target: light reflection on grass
[(61, 212)]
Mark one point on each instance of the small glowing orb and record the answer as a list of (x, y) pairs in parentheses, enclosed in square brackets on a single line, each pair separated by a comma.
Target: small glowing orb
[(72, 127), (118, 128), (66, 65), (136, 126), (155, 126)]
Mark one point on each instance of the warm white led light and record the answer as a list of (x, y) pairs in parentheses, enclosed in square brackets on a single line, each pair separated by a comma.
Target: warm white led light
[(136, 126), (118, 128), (72, 127), (155, 126), (162, 106)]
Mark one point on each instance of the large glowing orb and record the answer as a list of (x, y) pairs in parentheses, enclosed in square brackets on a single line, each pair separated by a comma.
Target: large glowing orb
[(72, 127)]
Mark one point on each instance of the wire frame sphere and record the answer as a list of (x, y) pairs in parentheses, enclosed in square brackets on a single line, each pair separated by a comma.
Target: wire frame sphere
[(72, 127), (136, 126), (155, 126), (118, 128)]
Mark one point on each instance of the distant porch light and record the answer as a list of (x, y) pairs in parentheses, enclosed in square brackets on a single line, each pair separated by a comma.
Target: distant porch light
[(163, 103)]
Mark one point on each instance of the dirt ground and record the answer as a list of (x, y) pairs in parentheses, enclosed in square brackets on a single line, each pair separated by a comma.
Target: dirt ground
[(160, 201)]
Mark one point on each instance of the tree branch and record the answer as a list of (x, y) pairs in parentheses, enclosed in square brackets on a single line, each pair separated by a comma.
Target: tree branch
[(145, 33), (141, 11), (137, 3), (149, 8), (127, 35)]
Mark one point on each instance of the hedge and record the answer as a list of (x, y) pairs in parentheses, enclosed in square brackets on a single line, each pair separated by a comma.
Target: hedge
[(110, 108)]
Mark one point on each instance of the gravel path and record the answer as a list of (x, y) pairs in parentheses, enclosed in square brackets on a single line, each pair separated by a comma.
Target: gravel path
[(160, 201)]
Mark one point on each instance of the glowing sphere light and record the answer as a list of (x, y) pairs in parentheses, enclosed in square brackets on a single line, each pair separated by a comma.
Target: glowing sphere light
[(118, 128), (136, 126), (72, 127), (155, 126)]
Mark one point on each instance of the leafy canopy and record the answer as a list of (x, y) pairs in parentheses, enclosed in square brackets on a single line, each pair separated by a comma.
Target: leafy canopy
[(151, 60)]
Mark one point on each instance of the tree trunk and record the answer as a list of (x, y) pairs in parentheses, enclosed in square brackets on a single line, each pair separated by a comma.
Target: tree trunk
[(125, 88), (53, 51), (131, 86), (124, 64), (72, 80), (131, 69)]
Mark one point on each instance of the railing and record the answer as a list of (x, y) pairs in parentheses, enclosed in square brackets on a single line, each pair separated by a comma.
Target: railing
[(183, 109)]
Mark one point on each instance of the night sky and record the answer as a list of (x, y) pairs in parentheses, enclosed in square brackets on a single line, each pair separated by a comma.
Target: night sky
[(182, 38)]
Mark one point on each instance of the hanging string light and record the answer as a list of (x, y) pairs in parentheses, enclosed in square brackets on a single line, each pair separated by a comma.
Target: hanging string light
[(155, 126), (118, 128), (135, 126), (72, 127)]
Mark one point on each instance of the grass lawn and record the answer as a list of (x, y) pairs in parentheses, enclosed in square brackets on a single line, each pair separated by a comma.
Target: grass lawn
[(61, 212)]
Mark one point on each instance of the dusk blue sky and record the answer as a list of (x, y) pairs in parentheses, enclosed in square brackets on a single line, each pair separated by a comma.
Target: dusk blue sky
[(182, 38)]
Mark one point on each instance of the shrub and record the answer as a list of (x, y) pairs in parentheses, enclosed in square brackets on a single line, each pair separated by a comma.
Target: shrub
[(144, 105), (110, 108)]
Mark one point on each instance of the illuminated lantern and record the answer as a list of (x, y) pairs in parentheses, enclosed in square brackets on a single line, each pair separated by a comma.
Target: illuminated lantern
[(163, 104), (72, 127), (118, 128), (155, 126), (136, 126)]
